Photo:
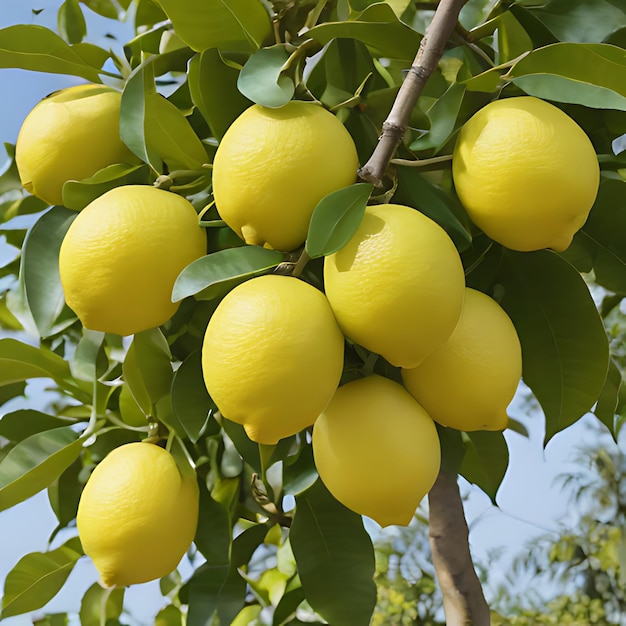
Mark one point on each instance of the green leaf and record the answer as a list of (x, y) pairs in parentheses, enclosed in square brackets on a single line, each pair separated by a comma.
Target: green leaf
[(39, 271), (192, 404), (21, 424), (64, 493), (78, 194), (98, 603), (606, 407), (288, 605), (38, 577), (90, 360), (169, 616), (414, 190), (213, 87), (35, 463), (377, 27), (106, 8), (485, 461), (262, 79), (565, 352), (592, 75), (335, 558), (147, 369), (205, 275), (336, 218), (233, 25), (32, 47), (248, 449), (20, 361), (299, 472), (71, 21), (213, 535)]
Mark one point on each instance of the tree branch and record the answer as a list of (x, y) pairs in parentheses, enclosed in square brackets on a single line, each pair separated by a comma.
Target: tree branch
[(463, 599), (431, 48)]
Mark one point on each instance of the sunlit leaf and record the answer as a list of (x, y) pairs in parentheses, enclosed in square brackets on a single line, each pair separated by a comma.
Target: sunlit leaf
[(18, 425), (20, 361), (262, 80), (71, 21)]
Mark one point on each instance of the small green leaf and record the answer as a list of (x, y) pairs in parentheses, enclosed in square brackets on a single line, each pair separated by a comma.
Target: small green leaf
[(64, 494), (190, 399), (204, 275), (20, 361), (39, 270), (36, 48), (299, 473), (335, 558), (21, 424), (38, 577), (71, 21), (336, 218), (288, 605), (90, 360), (485, 461), (565, 353), (78, 194), (606, 407), (169, 616), (213, 87), (262, 80), (35, 463), (91, 606)]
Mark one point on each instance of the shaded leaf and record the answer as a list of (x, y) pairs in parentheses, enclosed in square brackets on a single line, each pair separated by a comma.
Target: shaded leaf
[(336, 218), (21, 424), (606, 407), (91, 606), (38, 577), (90, 360), (485, 461), (64, 494), (335, 558), (565, 351), (71, 21), (202, 277)]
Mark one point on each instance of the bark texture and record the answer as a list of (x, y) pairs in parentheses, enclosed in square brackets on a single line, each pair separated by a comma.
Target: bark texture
[(463, 599)]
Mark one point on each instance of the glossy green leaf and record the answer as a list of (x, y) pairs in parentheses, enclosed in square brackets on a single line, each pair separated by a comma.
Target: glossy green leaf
[(485, 461), (37, 577), (600, 244), (592, 75), (32, 47), (299, 473), (336, 218), (414, 190), (90, 360), (335, 558), (71, 21), (190, 399), (91, 606), (106, 8), (248, 449), (231, 26), (288, 605), (39, 271), (539, 34), (565, 352), (35, 463), (204, 275), (18, 425), (378, 27), (78, 194), (64, 494), (262, 80), (20, 361), (213, 87), (606, 407), (147, 369)]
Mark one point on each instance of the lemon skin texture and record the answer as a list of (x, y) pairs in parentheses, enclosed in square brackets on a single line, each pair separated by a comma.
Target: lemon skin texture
[(121, 255), (273, 166), (397, 287), (377, 450), (470, 380), (137, 515), (526, 173), (69, 136), (272, 356)]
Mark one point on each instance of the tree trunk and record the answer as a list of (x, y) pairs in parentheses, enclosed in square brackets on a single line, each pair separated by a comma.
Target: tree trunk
[(463, 599)]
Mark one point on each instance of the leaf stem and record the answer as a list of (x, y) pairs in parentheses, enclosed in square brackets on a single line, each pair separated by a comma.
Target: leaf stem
[(422, 162)]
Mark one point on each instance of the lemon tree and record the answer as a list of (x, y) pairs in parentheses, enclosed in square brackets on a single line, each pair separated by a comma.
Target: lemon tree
[(284, 266)]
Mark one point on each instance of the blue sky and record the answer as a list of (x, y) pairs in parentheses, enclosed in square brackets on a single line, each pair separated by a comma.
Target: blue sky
[(529, 501)]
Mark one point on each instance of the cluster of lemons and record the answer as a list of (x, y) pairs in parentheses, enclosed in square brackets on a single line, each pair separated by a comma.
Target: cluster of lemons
[(273, 351)]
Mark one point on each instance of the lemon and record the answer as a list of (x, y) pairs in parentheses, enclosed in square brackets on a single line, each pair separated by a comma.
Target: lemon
[(121, 255), (397, 287), (272, 356), (526, 173), (137, 514), (377, 450), (69, 135), (470, 380), (273, 166)]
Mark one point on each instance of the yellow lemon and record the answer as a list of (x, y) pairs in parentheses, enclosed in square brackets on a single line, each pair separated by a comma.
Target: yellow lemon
[(273, 166), (121, 255), (272, 356), (69, 135), (470, 380), (137, 515), (397, 287), (526, 173), (377, 450)]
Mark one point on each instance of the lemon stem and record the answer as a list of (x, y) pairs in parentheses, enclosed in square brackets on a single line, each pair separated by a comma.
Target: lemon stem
[(298, 268), (104, 600), (422, 162)]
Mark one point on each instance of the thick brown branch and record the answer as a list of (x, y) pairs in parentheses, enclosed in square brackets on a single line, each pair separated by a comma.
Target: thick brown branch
[(431, 48), (463, 599)]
